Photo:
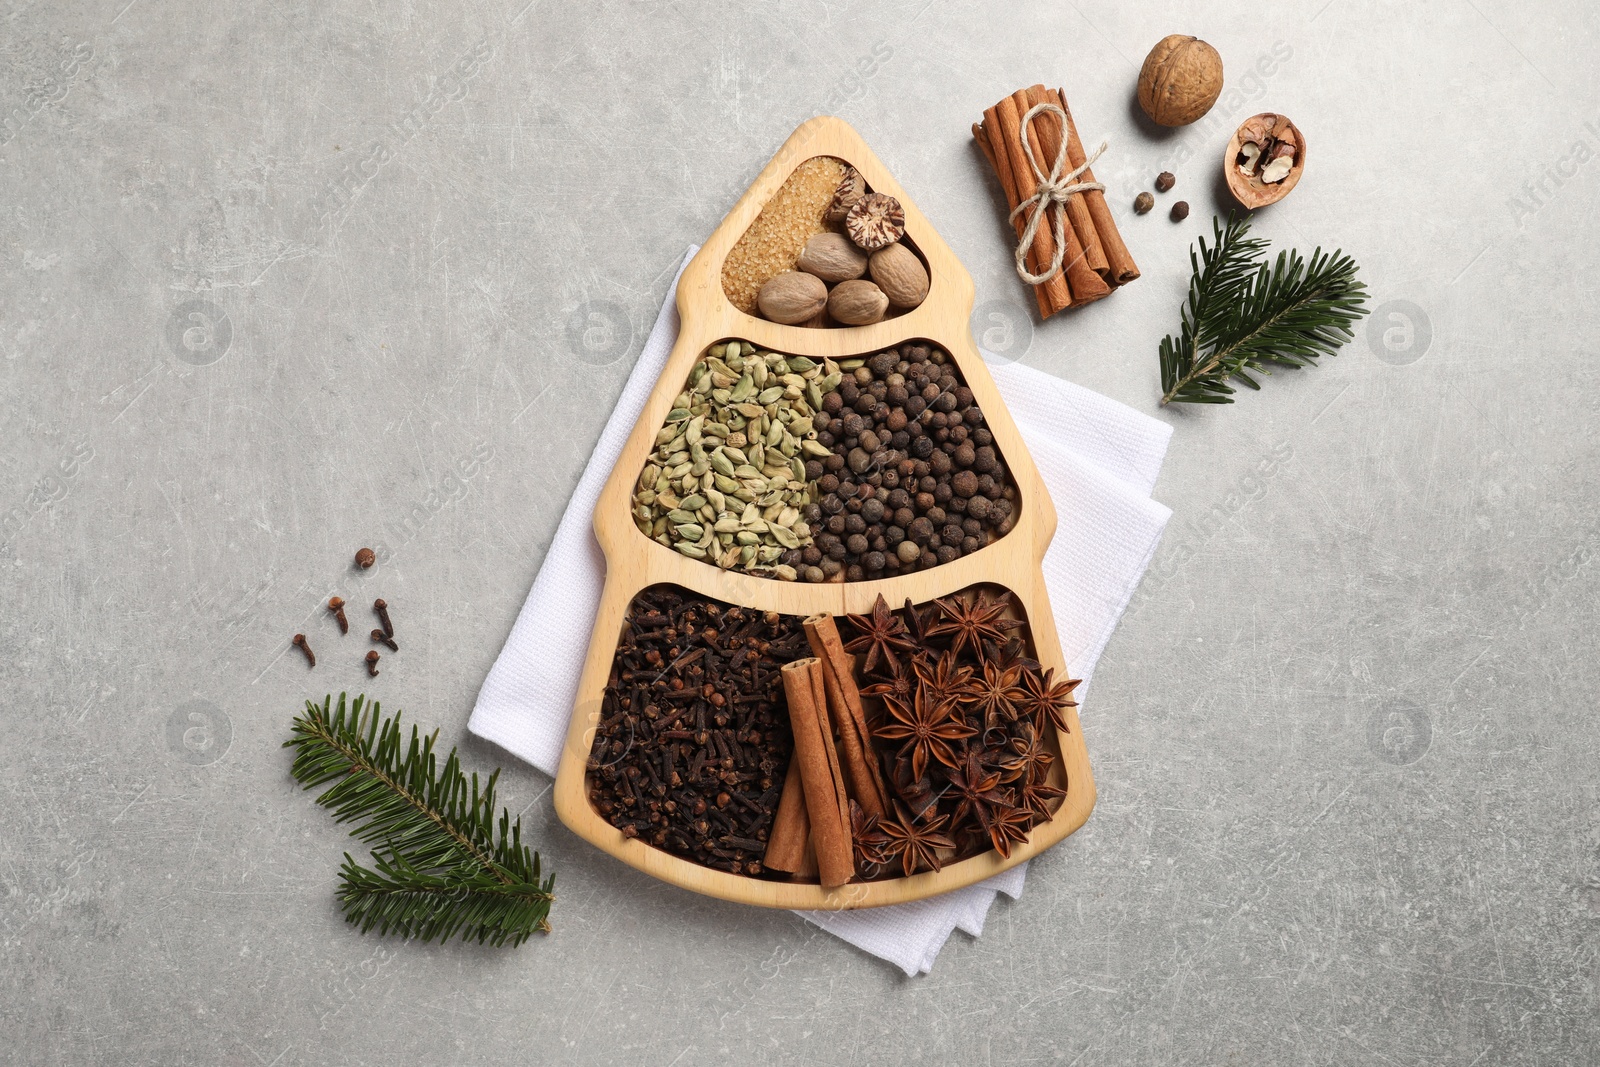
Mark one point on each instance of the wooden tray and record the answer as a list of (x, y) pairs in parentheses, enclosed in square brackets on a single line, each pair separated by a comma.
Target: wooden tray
[(634, 562)]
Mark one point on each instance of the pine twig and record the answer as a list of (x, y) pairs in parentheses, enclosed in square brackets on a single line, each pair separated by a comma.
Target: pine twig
[(1245, 315), (440, 868)]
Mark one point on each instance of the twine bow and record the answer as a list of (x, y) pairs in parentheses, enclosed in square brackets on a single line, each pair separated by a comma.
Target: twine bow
[(1054, 190)]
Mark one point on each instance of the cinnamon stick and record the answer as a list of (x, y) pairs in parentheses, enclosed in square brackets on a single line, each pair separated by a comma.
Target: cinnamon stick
[(1044, 243), (849, 717), (1120, 260), (821, 780), (995, 148), (1048, 134), (980, 135), (1084, 284), (791, 826)]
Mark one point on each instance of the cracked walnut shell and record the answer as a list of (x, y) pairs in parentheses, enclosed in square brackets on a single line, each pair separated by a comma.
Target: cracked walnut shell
[(876, 221)]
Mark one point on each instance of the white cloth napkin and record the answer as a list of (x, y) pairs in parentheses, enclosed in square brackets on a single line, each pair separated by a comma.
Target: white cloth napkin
[(1099, 460)]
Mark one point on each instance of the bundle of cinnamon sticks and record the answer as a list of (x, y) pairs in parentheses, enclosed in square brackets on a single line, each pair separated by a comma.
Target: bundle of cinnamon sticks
[(833, 762), (1095, 261)]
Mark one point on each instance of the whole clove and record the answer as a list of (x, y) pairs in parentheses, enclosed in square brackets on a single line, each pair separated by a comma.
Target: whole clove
[(694, 740), (336, 605)]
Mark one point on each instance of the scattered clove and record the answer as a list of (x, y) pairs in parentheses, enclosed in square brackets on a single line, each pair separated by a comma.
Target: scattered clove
[(304, 646), (336, 605), (372, 664), (382, 638), (381, 606)]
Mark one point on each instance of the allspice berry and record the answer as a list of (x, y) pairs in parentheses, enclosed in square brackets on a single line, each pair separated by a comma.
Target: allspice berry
[(365, 558), (1165, 181), (1180, 211), (1143, 203)]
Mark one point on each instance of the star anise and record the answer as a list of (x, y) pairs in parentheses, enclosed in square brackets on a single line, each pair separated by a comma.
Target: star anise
[(1029, 759), (917, 623), (978, 790), (870, 841), (917, 793), (995, 693), (917, 844), (926, 730), (900, 684), (1009, 653), (1045, 702), (882, 635), (1008, 826), (1036, 798), (944, 681), (973, 623)]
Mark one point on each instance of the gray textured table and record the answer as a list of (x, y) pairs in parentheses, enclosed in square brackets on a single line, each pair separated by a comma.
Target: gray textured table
[(286, 280)]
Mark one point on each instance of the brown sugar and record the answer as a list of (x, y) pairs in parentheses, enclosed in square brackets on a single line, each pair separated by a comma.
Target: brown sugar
[(795, 214)]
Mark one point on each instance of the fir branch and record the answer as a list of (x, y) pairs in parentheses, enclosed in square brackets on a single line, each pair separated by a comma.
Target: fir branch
[(1245, 315), (440, 867)]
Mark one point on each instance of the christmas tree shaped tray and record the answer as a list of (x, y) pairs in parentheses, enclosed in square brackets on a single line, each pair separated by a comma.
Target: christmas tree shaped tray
[(635, 562)]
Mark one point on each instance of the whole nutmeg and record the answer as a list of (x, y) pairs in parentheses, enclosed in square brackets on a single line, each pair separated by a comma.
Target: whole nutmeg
[(857, 303), (876, 220), (1143, 203), (792, 297), (900, 274), (831, 257), (1180, 80)]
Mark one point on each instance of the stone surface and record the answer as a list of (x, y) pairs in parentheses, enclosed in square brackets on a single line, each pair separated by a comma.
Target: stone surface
[(278, 281)]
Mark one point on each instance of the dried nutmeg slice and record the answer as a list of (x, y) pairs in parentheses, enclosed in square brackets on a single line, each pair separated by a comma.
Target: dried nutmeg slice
[(852, 187), (876, 221)]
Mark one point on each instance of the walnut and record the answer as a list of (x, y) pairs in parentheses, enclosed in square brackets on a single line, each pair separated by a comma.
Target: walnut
[(852, 187), (876, 220), (1180, 80)]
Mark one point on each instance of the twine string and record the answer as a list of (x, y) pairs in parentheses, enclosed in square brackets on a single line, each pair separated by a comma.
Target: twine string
[(1051, 196)]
